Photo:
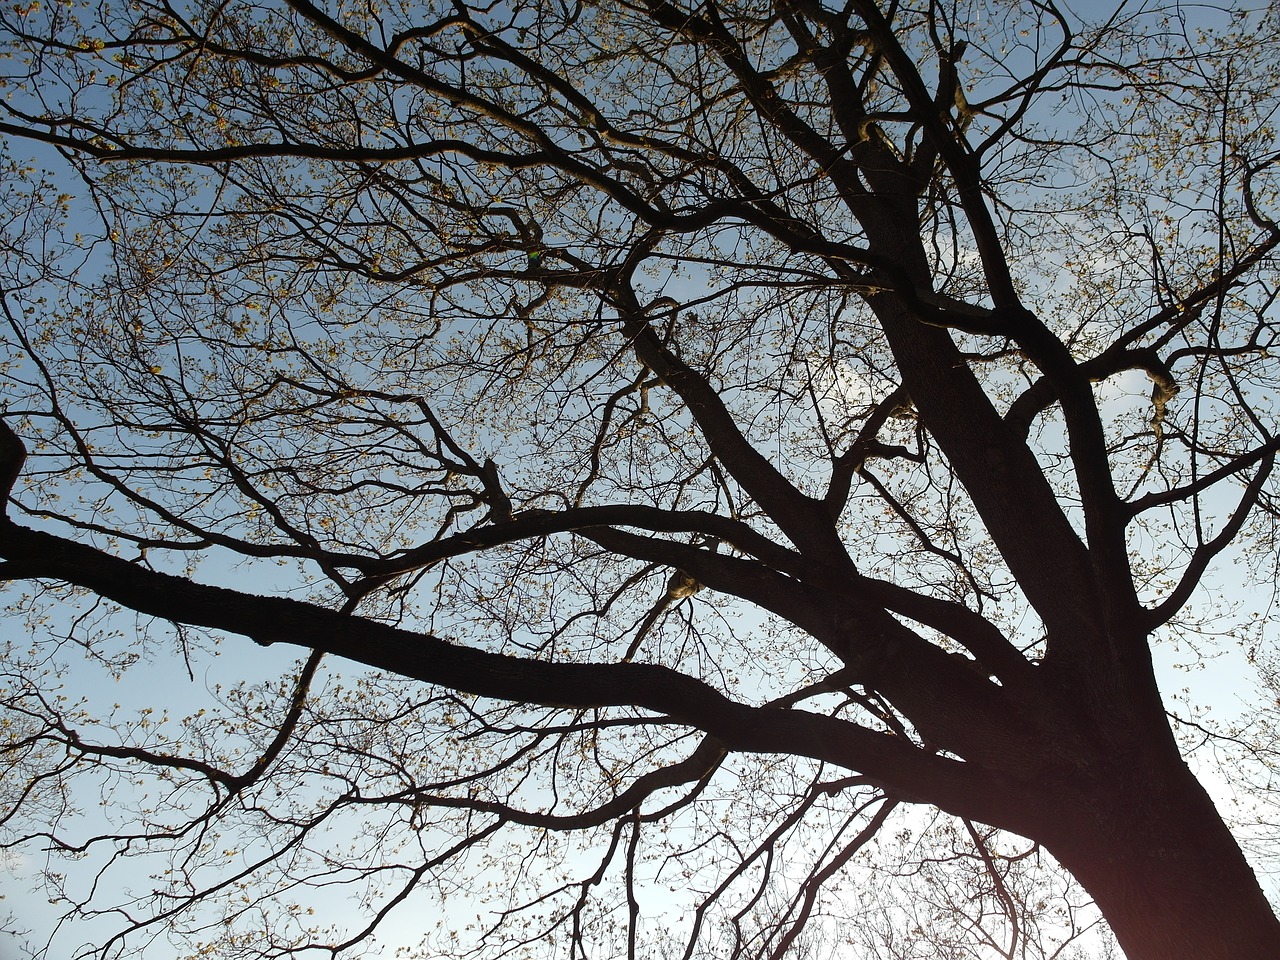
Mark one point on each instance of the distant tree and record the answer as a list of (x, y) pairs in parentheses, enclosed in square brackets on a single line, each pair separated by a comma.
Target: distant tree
[(681, 439)]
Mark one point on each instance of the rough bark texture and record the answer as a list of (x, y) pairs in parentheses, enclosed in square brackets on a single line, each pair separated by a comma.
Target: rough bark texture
[(1166, 873)]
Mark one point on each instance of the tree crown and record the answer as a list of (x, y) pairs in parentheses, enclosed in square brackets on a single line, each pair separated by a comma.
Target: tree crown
[(834, 402)]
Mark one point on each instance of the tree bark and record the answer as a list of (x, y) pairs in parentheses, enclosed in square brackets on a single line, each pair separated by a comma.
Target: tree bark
[(1171, 880)]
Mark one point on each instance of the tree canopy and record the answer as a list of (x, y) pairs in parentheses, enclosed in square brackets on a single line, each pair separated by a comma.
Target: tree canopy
[(717, 472)]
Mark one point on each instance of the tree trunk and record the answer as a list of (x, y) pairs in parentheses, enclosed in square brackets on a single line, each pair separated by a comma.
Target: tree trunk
[(1165, 871)]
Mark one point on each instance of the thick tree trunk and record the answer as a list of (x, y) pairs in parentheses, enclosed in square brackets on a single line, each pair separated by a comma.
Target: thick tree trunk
[(1166, 873)]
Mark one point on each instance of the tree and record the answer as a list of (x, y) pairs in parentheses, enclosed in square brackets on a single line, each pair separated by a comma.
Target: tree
[(708, 430)]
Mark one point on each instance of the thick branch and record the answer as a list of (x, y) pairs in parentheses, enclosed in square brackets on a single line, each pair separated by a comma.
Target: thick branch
[(803, 519), (1044, 392), (953, 706), (542, 523), (912, 774), (1000, 473), (12, 456)]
